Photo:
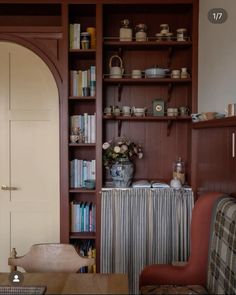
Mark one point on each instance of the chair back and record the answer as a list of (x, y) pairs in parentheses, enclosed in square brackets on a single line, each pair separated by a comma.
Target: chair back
[(51, 258), (221, 277)]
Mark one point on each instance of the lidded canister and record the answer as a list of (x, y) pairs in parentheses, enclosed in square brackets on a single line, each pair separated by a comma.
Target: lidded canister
[(141, 32), (125, 31), (179, 170), (92, 32), (181, 34)]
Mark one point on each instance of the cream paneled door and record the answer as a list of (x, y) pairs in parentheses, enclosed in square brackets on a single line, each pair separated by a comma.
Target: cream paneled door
[(29, 152)]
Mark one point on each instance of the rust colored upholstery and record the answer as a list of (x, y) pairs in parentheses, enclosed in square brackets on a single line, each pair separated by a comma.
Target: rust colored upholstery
[(195, 271)]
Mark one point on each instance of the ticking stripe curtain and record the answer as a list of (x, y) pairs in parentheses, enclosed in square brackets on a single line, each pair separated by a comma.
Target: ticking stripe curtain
[(143, 226)]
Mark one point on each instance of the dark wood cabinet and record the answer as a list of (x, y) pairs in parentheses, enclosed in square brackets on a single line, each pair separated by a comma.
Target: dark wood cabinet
[(214, 156)]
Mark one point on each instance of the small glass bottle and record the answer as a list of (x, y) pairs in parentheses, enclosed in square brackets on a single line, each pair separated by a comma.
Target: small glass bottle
[(125, 31), (179, 170), (85, 40), (141, 32)]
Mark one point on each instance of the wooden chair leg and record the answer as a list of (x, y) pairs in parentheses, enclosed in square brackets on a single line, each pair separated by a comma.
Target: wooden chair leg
[(13, 255)]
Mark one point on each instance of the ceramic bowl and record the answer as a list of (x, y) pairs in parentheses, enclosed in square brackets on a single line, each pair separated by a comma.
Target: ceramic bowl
[(89, 184)]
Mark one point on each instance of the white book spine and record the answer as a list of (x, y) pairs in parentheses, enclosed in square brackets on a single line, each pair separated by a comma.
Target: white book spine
[(89, 129), (93, 129), (77, 221), (77, 36)]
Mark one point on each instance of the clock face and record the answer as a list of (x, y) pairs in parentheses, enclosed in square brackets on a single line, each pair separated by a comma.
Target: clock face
[(159, 108)]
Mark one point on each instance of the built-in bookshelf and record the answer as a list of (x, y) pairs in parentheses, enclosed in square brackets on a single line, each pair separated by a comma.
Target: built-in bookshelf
[(82, 127)]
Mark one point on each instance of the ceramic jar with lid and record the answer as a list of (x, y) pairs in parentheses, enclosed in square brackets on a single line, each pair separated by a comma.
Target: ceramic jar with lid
[(125, 31), (181, 34), (164, 29), (141, 32)]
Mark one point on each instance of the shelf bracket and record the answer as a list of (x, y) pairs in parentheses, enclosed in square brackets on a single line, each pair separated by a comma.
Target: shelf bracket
[(119, 127), (170, 53), (120, 87), (170, 89), (120, 52), (169, 125)]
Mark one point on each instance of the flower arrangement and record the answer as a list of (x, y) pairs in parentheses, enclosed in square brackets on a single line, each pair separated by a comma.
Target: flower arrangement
[(120, 148)]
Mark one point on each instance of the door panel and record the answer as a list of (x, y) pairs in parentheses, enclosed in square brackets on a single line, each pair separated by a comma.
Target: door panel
[(29, 152)]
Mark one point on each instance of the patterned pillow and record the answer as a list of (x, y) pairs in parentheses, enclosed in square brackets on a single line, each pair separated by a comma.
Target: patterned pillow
[(222, 252)]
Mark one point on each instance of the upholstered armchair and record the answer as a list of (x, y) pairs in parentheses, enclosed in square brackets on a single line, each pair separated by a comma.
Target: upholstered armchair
[(211, 267)]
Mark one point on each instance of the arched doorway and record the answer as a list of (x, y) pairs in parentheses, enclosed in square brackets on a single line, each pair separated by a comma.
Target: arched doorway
[(29, 151)]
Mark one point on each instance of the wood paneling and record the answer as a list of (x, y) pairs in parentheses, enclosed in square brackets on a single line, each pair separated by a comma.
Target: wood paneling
[(213, 164)]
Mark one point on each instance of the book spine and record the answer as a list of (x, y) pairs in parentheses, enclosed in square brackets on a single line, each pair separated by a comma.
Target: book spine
[(92, 80), (76, 36), (71, 36)]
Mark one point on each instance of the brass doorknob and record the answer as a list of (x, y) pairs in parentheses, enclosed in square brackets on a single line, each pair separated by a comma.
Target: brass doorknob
[(8, 188)]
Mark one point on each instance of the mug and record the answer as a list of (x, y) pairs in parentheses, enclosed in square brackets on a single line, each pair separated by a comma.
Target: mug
[(107, 111), (126, 111), (171, 112), (183, 111), (116, 111), (231, 109), (175, 74), (184, 73), (136, 74), (74, 138), (138, 112)]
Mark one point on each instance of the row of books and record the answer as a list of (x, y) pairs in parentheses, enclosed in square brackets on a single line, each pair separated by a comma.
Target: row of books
[(85, 126), (83, 82), (83, 217), (86, 248), (81, 170)]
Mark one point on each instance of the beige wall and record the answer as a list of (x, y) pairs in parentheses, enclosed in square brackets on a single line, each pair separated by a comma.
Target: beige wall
[(217, 57)]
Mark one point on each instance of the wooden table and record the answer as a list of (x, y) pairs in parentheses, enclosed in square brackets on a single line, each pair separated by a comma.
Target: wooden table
[(75, 283)]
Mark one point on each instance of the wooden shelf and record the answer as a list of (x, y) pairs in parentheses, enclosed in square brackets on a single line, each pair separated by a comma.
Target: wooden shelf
[(82, 50), (146, 81), (224, 122), (147, 118), (82, 190), (83, 235), (82, 144), (150, 45), (82, 98)]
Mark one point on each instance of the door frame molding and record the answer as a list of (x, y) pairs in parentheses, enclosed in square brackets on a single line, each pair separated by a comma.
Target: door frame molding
[(55, 66)]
